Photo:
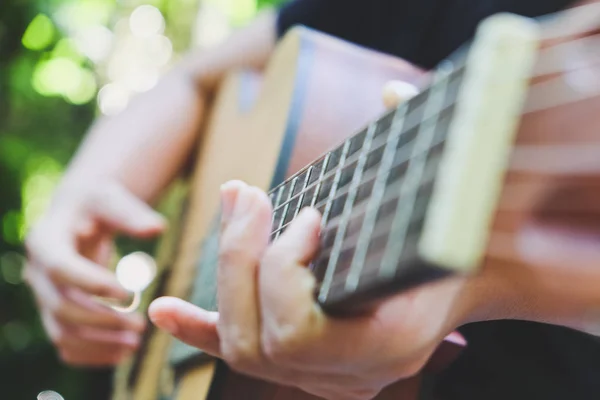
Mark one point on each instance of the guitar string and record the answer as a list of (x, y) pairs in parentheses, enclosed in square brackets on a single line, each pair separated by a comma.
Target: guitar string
[(347, 211), (378, 144), (543, 67), (372, 176), (360, 211), (411, 115), (418, 170)]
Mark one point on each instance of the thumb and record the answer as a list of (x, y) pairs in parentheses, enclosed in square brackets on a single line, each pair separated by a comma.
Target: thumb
[(396, 92), (188, 323), (121, 210)]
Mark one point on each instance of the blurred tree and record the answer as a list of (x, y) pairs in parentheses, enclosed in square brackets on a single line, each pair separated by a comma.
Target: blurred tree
[(54, 58)]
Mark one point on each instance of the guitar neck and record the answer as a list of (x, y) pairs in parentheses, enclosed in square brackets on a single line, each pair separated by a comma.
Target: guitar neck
[(385, 191)]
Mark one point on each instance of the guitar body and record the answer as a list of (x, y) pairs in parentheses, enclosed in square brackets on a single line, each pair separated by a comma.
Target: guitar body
[(315, 92)]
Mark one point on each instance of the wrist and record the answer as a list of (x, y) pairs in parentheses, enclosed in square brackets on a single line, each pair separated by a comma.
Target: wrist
[(519, 292), (75, 187), (492, 294)]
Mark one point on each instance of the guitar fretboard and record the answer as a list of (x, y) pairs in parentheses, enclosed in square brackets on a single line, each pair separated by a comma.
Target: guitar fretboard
[(373, 190)]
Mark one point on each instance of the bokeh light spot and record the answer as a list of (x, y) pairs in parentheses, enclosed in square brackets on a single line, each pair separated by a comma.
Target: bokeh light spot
[(11, 267), (56, 76), (242, 11), (136, 271), (43, 174), (112, 99), (11, 227), (75, 16), (17, 335), (85, 91), (66, 48), (49, 395), (95, 42), (39, 34), (146, 20)]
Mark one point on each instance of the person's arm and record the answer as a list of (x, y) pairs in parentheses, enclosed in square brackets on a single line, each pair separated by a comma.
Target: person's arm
[(123, 164), (146, 145)]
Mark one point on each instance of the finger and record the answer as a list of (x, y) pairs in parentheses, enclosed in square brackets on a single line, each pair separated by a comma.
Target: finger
[(74, 309), (73, 270), (287, 286), (122, 320), (296, 332), (98, 248), (82, 358), (88, 340), (229, 194), (122, 211), (57, 256), (243, 241), (396, 92), (197, 327), (124, 338), (188, 323)]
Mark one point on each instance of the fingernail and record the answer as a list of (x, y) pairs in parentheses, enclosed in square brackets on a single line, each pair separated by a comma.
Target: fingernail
[(308, 215), (396, 92), (228, 199), (157, 220), (457, 339)]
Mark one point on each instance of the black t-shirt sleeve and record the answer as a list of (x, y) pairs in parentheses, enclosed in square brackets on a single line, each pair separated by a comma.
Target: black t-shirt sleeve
[(391, 26), (423, 32)]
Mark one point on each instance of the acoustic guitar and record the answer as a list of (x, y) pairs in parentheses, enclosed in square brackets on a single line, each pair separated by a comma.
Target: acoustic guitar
[(440, 185)]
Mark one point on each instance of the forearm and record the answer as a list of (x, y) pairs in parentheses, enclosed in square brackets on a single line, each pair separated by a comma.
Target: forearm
[(566, 297), (146, 145)]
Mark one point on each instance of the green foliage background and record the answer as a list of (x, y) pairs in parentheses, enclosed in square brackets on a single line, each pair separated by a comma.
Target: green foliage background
[(38, 135)]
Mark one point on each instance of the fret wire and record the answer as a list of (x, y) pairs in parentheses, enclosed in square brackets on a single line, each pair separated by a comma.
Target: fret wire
[(302, 193), (277, 200), (377, 232), (414, 174), (287, 205), (379, 144), (318, 184), (351, 242), (341, 232), (336, 179), (367, 178), (321, 175), (316, 192), (376, 199)]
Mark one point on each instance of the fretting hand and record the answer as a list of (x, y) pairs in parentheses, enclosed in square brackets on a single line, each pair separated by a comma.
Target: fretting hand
[(270, 327)]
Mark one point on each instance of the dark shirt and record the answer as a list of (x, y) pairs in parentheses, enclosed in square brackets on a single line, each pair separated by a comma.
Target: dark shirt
[(421, 31), (505, 360)]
